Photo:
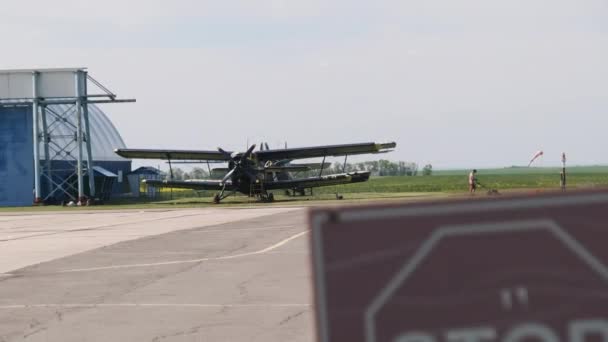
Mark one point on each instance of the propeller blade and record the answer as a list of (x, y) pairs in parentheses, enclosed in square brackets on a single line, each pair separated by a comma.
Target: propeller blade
[(248, 153), (226, 154)]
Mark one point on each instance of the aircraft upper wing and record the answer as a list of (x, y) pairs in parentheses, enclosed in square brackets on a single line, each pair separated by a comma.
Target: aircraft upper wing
[(135, 153), (322, 151)]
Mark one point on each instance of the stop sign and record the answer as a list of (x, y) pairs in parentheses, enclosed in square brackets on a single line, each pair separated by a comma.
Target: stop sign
[(511, 269)]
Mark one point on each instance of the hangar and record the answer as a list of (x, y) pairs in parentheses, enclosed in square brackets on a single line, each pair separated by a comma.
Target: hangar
[(56, 143)]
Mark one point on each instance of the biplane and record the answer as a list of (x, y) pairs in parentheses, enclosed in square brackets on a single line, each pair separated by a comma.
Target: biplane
[(282, 169), (259, 173)]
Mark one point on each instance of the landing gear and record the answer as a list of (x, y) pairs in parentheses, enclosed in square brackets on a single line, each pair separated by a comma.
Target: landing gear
[(297, 192), (221, 195), (267, 197)]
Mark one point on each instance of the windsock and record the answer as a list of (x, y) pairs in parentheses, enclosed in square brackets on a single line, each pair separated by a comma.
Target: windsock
[(538, 154)]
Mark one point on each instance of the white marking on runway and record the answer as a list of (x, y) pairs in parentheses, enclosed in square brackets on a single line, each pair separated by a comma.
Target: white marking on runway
[(238, 230), (289, 252), (152, 305), (227, 257)]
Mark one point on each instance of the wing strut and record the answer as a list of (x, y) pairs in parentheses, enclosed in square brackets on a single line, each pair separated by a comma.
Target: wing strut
[(344, 166), (170, 167), (322, 166)]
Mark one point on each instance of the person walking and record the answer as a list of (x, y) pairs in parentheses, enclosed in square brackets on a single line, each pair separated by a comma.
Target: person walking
[(472, 181)]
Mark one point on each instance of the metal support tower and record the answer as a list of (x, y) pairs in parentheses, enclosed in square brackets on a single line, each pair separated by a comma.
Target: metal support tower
[(35, 115), (59, 105)]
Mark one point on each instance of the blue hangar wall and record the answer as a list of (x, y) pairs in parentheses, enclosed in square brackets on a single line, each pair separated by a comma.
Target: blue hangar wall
[(16, 151)]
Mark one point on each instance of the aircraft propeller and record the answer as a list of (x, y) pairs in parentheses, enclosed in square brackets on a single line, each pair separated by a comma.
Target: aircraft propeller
[(238, 162)]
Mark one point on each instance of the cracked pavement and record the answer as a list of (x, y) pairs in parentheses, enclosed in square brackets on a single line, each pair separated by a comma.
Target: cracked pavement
[(262, 294)]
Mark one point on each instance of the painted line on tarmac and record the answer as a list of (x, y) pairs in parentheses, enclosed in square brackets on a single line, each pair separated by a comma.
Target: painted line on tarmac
[(238, 229), (290, 252), (227, 257), (149, 305), (100, 227)]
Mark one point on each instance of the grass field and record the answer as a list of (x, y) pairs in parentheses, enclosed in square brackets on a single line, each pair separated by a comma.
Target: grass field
[(451, 182), (527, 171), (440, 184)]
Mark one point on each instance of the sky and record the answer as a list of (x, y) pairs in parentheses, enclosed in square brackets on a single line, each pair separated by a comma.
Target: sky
[(456, 83)]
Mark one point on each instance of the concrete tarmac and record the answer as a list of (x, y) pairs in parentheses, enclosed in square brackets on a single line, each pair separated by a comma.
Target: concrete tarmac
[(173, 275)]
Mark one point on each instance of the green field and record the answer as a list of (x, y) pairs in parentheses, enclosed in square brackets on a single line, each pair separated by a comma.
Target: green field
[(453, 181), (526, 170), (440, 184)]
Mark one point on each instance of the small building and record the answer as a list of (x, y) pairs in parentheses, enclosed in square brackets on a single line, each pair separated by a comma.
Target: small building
[(105, 182), (104, 139), (136, 176)]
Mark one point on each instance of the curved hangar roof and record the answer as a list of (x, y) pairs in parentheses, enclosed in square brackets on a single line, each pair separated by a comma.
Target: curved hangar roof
[(104, 136)]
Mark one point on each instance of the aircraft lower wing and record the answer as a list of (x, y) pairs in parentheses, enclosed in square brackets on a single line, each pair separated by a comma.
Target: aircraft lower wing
[(312, 182), (283, 168), (272, 168), (324, 151), (192, 184), (135, 153)]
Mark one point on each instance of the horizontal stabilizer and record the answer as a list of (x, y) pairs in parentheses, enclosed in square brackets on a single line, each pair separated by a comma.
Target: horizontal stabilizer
[(313, 166), (287, 168)]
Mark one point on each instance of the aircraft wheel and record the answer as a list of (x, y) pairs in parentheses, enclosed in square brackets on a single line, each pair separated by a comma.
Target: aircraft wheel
[(216, 199), (270, 197)]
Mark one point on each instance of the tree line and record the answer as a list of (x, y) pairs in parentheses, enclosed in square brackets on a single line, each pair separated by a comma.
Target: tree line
[(380, 167)]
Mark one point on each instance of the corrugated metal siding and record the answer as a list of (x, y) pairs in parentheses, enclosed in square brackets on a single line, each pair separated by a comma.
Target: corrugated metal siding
[(16, 162), (16, 152), (104, 136)]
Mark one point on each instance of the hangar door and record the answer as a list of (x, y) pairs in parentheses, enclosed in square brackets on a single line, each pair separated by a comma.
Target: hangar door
[(16, 156)]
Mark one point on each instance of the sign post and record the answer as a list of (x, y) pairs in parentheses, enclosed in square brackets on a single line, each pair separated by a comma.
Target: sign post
[(563, 175), (508, 269)]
